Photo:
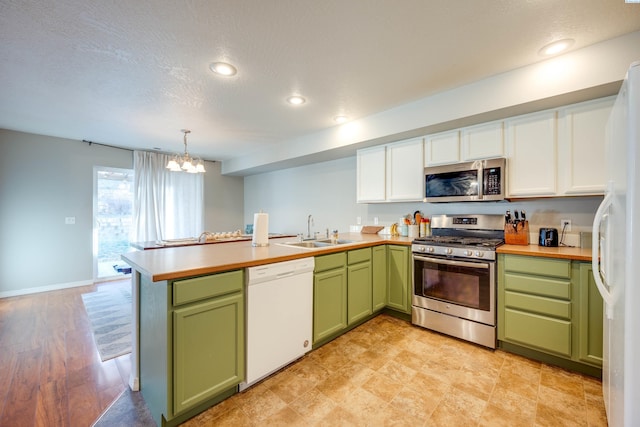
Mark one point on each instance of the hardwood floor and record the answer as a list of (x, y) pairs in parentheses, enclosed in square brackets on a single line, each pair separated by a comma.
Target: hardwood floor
[(50, 371)]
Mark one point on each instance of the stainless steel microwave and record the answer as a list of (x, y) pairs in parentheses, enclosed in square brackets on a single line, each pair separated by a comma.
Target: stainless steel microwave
[(482, 180)]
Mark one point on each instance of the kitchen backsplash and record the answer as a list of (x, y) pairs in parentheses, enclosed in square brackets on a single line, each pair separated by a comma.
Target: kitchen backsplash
[(327, 191), (541, 213)]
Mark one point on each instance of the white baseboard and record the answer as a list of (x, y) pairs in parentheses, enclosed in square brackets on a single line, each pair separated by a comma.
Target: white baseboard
[(47, 288)]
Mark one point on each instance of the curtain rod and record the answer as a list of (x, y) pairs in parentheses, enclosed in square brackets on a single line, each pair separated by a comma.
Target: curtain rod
[(132, 150), (106, 145)]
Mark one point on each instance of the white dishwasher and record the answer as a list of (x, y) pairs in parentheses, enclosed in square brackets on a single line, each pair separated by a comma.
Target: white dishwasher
[(279, 316)]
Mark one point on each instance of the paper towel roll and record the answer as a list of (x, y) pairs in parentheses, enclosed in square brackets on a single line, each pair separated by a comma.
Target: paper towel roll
[(260, 229)]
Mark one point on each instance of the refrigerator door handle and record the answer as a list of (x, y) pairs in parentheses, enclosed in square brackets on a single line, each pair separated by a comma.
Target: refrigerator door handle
[(595, 256)]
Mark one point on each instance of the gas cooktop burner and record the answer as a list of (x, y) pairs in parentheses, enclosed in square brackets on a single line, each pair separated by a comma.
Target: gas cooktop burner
[(466, 237)]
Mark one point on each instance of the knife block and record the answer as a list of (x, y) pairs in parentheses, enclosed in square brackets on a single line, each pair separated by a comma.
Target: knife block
[(518, 235)]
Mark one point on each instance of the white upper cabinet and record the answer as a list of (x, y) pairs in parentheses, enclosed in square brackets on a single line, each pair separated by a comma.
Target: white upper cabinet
[(581, 147), (371, 174), (482, 141), (442, 148), (391, 173), (405, 171), (551, 153), (532, 155)]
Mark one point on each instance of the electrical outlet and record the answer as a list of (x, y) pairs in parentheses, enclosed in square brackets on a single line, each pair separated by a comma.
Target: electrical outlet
[(70, 220), (565, 223)]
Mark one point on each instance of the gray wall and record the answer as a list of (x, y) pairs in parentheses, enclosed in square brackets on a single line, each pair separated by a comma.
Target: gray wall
[(45, 179), (42, 181), (328, 192), (325, 190), (223, 200)]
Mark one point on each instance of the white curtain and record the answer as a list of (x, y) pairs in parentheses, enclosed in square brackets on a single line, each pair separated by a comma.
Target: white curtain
[(167, 205)]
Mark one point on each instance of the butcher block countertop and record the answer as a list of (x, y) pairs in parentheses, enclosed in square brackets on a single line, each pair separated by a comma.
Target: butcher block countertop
[(172, 263), (575, 254)]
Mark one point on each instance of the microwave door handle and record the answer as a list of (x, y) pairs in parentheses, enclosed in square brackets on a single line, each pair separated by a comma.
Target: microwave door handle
[(450, 262), (602, 258), (480, 180)]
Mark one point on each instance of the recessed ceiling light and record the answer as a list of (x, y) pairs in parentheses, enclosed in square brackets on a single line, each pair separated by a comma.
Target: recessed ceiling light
[(556, 47), (296, 100), (223, 68), (340, 118)]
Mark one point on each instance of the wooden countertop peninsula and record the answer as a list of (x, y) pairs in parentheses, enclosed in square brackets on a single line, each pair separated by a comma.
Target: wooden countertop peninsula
[(171, 263), (575, 254)]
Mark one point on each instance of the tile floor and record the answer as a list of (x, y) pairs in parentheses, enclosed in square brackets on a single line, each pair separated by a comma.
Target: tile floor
[(388, 372)]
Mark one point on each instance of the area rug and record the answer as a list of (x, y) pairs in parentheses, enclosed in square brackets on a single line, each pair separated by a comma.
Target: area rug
[(128, 410), (109, 311)]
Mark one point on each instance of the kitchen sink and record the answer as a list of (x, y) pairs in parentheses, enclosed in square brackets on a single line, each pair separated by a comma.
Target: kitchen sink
[(313, 244)]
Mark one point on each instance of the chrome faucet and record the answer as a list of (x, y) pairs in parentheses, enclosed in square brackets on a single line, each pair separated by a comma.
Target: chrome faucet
[(309, 224)]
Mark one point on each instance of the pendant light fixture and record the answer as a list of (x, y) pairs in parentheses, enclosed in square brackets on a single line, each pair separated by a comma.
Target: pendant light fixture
[(185, 162)]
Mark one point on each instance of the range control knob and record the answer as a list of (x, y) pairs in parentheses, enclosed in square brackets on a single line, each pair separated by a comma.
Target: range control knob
[(479, 253), (448, 251), (468, 253), (430, 249), (421, 249)]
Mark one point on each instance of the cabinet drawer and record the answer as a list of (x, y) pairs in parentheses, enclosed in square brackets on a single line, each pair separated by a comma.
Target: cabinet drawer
[(358, 255), (540, 305), (542, 286), (198, 288), (542, 332), (538, 266), (331, 261)]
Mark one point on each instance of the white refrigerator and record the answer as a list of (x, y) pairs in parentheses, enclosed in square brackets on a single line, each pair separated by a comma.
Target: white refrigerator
[(616, 257)]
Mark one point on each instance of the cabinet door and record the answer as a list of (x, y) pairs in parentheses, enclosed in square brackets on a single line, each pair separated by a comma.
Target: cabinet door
[(399, 280), (442, 148), (405, 171), (358, 292), (581, 147), (329, 303), (590, 319), (379, 277), (208, 346), (371, 174), (483, 141), (541, 332), (532, 155)]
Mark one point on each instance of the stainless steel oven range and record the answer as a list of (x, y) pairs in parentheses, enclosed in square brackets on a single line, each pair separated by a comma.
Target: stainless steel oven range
[(454, 277)]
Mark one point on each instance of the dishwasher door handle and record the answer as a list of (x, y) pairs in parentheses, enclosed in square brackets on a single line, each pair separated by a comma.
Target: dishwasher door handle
[(285, 274)]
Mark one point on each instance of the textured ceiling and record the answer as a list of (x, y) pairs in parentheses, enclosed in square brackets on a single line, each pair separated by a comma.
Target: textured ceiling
[(133, 73)]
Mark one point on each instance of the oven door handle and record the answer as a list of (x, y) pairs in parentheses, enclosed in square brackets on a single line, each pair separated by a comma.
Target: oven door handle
[(455, 263)]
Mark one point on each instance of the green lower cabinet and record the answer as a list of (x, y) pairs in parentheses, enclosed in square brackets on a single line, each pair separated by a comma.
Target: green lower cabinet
[(534, 303), (329, 296), (589, 348), (550, 306), (192, 345), (379, 277), (399, 278), (345, 292), (359, 287), (208, 348)]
